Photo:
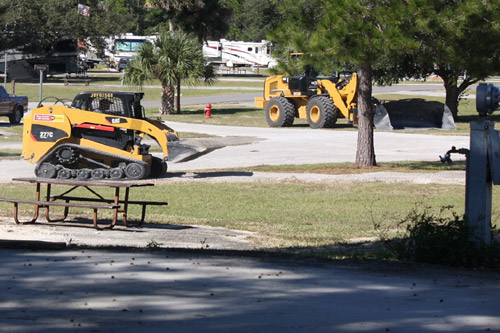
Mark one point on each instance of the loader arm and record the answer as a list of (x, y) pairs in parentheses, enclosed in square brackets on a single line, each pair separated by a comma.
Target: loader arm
[(154, 128), (343, 98)]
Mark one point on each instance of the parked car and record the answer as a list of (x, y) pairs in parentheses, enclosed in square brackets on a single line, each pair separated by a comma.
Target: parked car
[(12, 106), (122, 63)]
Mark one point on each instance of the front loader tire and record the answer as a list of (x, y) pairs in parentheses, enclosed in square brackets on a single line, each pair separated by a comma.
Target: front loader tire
[(321, 112), (280, 112)]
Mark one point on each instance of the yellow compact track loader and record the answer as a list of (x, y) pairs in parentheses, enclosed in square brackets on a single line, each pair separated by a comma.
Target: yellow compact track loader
[(98, 136), (320, 100)]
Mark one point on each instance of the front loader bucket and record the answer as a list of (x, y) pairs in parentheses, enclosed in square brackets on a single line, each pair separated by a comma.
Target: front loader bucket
[(413, 113)]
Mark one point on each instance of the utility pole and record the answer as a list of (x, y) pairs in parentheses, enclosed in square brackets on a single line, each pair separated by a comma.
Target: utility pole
[(5, 71)]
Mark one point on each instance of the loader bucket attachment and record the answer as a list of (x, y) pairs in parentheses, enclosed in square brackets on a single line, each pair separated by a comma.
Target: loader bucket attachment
[(413, 113)]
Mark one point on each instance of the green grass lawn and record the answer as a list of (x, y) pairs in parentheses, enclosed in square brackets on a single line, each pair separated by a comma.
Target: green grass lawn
[(290, 215), (11, 133), (350, 168)]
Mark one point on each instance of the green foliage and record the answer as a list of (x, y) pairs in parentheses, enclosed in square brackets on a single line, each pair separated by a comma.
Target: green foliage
[(38, 25), (208, 20), (252, 20), (444, 240), (458, 35), (140, 20), (454, 37)]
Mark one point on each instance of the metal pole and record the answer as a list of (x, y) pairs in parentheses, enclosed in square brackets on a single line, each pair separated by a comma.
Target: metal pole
[(41, 84), (478, 184), (5, 71)]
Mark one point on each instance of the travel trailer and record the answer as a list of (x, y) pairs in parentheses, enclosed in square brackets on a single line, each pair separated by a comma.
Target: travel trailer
[(238, 53)]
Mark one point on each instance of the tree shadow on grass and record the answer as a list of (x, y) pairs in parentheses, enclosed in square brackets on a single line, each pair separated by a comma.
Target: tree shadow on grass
[(426, 165)]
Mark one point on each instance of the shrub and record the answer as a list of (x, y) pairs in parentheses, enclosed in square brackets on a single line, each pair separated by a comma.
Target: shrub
[(436, 239)]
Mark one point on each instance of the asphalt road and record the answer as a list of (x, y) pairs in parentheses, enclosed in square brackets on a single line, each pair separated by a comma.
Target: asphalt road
[(141, 291)]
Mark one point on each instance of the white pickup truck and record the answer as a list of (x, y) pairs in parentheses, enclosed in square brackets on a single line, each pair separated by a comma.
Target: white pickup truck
[(12, 106)]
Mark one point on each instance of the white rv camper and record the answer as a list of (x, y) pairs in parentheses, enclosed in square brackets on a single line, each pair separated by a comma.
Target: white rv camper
[(238, 53), (123, 48)]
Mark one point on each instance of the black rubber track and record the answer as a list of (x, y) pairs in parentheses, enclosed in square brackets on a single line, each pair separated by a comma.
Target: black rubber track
[(50, 157)]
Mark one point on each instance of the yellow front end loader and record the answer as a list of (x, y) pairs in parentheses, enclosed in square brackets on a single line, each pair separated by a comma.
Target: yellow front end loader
[(320, 100)]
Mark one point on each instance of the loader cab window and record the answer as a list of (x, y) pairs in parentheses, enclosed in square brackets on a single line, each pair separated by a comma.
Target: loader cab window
[(310, 72), (334, 76), (108, 105)]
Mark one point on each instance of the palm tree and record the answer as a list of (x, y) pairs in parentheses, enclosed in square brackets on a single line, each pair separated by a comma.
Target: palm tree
[(172, 57)]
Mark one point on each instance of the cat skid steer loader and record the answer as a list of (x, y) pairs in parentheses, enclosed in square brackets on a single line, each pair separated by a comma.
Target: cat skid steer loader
[(98, 136)]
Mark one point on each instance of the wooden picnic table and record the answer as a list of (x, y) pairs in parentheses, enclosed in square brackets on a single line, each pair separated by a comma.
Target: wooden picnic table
[(117, 204)]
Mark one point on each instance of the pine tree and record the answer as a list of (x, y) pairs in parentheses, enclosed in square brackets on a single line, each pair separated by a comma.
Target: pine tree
[(365, 34)]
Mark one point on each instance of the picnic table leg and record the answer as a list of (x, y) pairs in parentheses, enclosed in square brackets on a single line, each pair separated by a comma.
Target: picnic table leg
[(35, 213), (143, 215), (47, 209), (125, 206), (16, 215), (125, 211), (95, 222), (116, 210)]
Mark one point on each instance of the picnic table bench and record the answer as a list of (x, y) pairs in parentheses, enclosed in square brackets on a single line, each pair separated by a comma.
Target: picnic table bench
[(142, 203), (98, 202), (46, 204), (85, 79)]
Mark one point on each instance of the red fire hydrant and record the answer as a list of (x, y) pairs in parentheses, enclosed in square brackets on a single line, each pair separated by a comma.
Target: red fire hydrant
[(208, 111)]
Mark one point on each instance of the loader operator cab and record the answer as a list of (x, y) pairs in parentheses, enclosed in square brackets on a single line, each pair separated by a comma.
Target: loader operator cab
[(305, 83), (118, 103)]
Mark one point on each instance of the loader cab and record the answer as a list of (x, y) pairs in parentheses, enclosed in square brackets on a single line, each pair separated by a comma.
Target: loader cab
[(124, 104), (305, 83)]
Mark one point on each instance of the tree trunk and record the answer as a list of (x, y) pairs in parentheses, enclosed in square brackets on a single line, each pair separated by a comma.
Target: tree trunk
[(365, 153), (452, 97), (167, 99), (178, 97)]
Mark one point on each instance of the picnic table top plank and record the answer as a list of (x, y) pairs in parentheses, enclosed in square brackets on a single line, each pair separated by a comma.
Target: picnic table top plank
[(131, 202), (63, 204), (71, 182)]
